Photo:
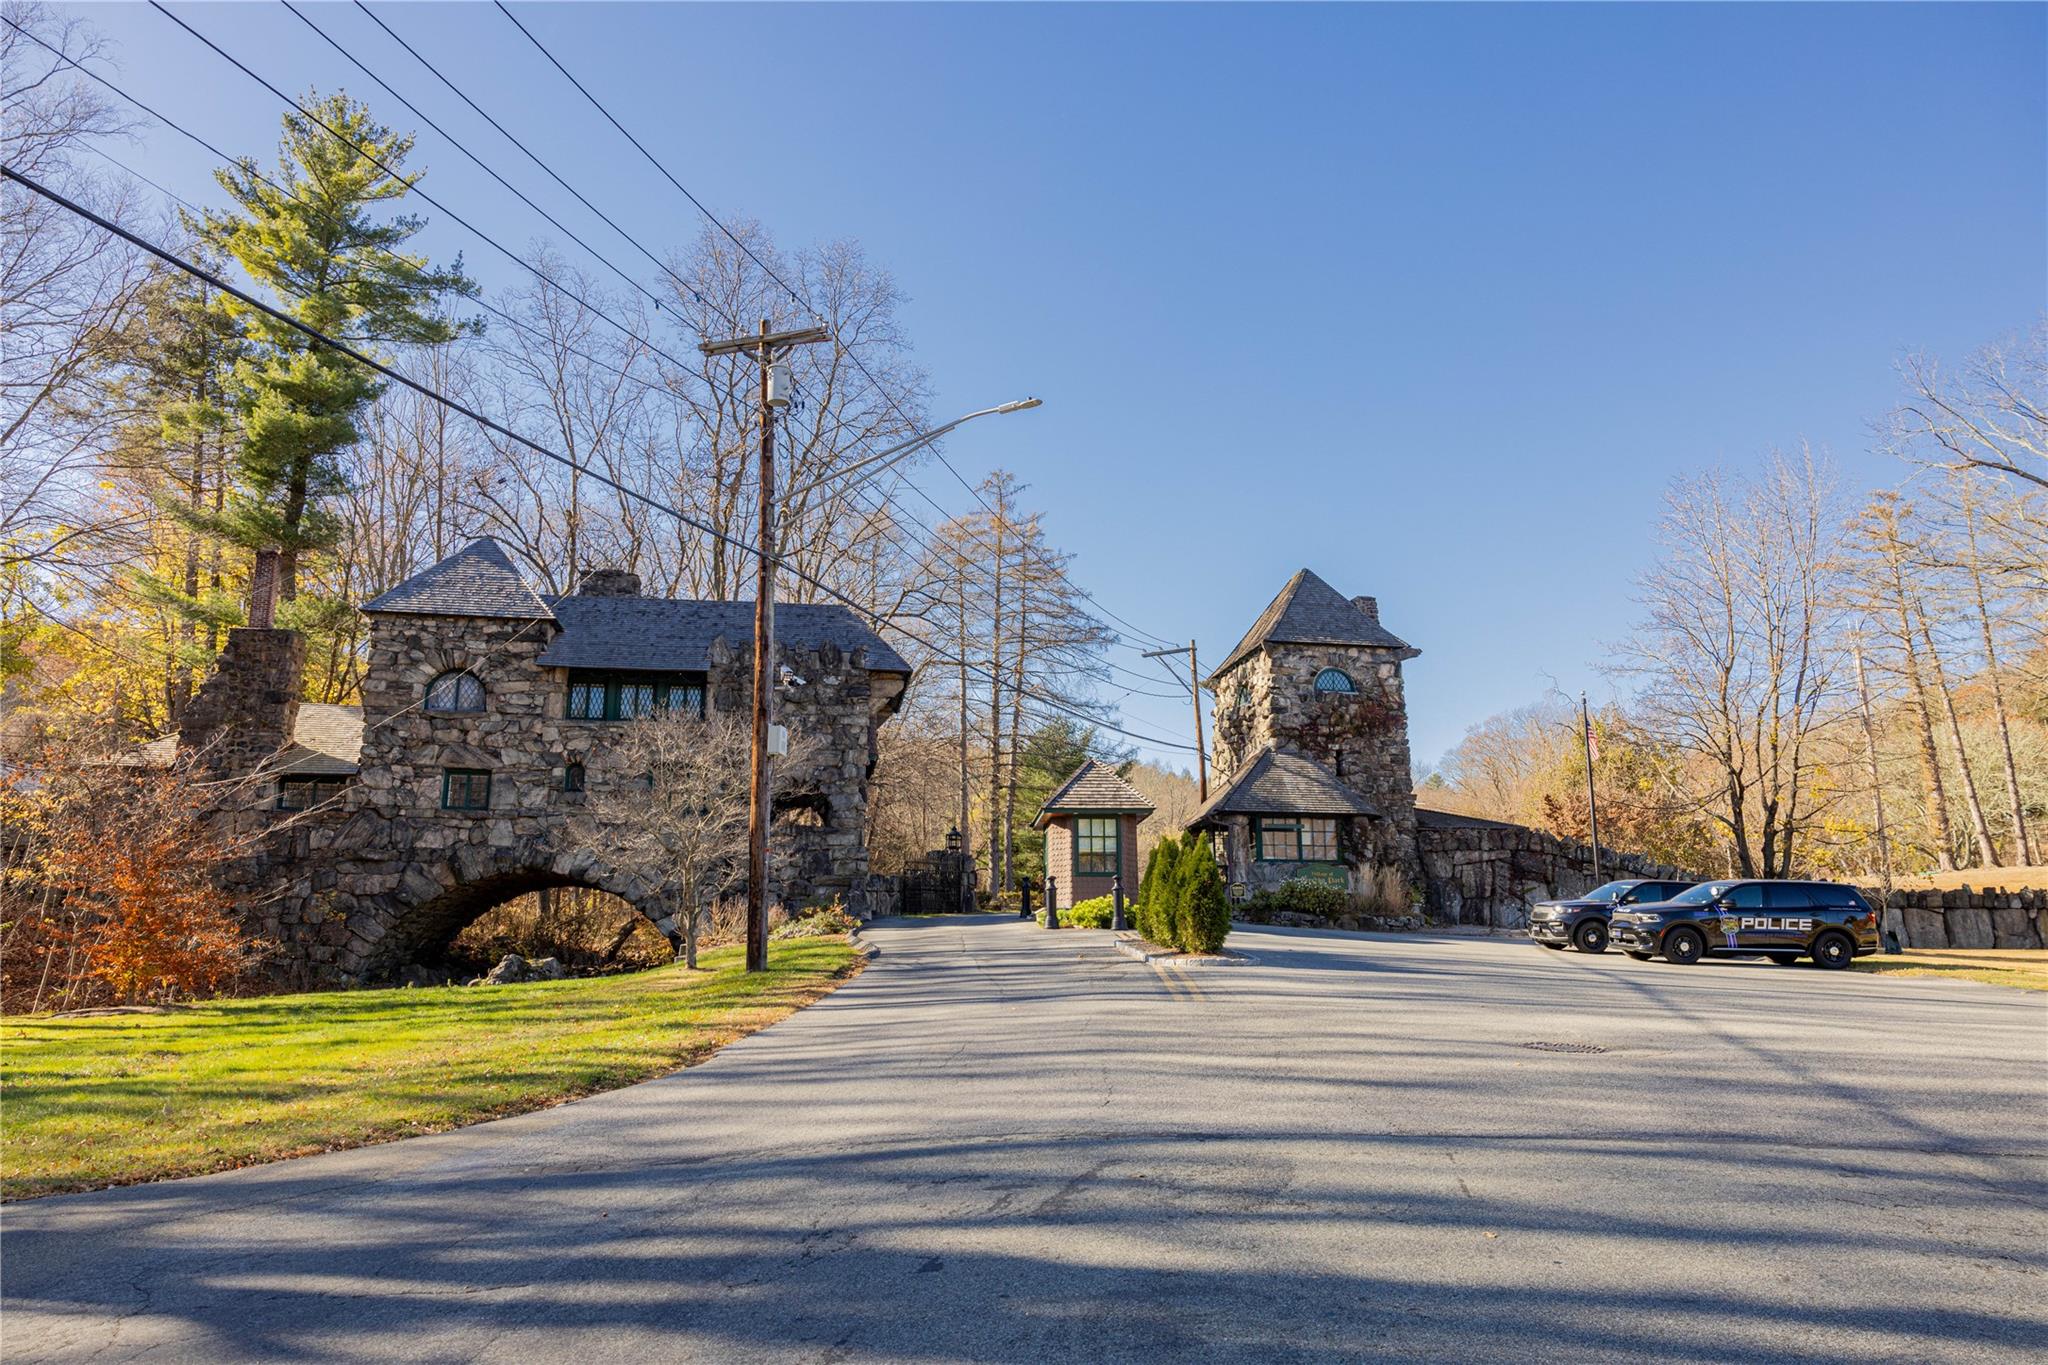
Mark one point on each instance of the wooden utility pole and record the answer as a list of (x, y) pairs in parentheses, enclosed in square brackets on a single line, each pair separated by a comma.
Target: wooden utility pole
[(768, 348), (1194, 691)]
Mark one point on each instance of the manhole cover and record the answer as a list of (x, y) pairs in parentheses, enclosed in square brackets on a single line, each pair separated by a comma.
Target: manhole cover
[(1564, 1047)]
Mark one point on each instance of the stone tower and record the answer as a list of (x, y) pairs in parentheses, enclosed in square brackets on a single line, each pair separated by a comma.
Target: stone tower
[(1318, 676)]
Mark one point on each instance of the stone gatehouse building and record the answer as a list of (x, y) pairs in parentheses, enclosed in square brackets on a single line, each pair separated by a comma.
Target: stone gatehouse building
[(1312, 776), (487, 713)]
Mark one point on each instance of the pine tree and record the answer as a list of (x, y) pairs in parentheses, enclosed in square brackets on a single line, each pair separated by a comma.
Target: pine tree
[(306, 233)]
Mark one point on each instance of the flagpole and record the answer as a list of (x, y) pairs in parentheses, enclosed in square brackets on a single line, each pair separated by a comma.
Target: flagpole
[(1592, 805)]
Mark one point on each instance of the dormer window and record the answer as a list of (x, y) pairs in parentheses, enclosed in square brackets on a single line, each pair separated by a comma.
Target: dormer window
[(455, 693), (1335, 680)]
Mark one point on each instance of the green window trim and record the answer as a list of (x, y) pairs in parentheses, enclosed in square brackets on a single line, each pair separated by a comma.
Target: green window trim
[(1294, 839), (1098, 852), (631, 696), (465, 789)]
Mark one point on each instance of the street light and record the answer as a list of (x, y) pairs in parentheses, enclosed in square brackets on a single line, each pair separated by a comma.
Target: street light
[(881, 460)]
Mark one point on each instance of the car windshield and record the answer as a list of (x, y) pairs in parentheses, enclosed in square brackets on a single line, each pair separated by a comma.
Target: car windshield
[(1702, 894), (1610, 893)]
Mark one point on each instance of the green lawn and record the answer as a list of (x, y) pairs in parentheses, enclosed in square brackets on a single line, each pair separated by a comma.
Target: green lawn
[(111, 1101), (2026, 968)]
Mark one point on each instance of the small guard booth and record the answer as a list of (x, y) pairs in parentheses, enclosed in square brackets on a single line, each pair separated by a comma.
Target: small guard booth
[(1091, 834)]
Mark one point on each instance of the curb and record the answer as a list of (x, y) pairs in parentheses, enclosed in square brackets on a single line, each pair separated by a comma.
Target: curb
[(1136, 949)]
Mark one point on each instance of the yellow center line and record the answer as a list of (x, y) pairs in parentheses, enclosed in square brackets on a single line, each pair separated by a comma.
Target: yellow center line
[(1173, 985), (1188, 982)]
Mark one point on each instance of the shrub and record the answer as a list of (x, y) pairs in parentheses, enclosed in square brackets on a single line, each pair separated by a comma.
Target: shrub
[(1180, 901), (1205, 914), (816, 921), (1088, 914)]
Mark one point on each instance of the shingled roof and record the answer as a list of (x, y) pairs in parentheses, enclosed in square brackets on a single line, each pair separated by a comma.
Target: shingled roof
[(477, 580), (1275, 783), (1309, 611), (674, 635), (1094, 788), (327, 741)]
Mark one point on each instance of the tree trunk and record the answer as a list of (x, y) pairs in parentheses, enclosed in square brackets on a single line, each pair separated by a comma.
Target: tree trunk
[(1987, 852), (997, 526), (1938, 829), (2022, 845)]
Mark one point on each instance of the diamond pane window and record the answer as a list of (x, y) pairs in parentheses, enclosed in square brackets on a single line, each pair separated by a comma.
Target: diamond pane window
[(586, 701), (455, 693), (1335, 680), (632, 696)]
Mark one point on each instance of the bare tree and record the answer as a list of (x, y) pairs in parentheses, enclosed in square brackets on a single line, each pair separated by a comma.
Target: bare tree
[(672, 807), (1739, 651), (1992, 418), (66, 289)]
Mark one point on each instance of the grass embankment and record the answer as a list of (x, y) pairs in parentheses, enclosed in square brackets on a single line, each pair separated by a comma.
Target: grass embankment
[(2026, 968), (127, 1098), (1979, 879)]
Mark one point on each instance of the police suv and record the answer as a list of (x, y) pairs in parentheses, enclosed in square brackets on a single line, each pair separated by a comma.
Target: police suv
[(1581, 921), (1783, 921)]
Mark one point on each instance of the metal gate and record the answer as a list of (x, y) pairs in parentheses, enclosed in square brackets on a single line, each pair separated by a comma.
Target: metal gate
[(943, 884)]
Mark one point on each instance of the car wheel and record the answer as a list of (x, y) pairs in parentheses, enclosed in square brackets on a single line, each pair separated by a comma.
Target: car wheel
[(1554, 947), (1640, 957), (1683, 947), (1590, 937), (1833, 951)]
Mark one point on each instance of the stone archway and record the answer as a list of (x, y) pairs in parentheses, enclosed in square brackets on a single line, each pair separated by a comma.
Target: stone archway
[(429, 900)]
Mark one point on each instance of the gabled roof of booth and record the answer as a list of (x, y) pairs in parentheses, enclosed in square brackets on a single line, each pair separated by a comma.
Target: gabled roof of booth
[(1309, 611), (1275, 783), (477, 580), (1096, 789)]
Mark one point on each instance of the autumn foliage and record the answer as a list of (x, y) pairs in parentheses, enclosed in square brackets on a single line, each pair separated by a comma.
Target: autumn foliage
[(108, 892)]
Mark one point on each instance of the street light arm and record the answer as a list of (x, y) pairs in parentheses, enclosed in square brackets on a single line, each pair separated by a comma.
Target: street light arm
[(875, 463)]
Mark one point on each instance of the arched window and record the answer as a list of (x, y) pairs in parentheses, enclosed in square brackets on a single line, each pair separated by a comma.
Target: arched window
[(455, 693), (1335, 680)]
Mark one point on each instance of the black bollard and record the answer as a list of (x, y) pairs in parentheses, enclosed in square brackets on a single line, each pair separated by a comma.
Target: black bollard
[(1052, 904), (1116, 905), (1023, 898)]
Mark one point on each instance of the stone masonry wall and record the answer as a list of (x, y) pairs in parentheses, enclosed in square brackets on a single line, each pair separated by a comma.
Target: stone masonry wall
[(1490, 875), (1965, 918), (355, 892)]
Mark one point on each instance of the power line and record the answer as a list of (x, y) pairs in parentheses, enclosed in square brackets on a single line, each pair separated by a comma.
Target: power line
[(412, 186), (425, 391), (794, 296)]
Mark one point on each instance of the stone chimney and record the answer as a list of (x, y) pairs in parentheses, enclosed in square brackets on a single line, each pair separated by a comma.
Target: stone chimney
[(263, 581), (609, 583), (1370, 606), (243, 716)]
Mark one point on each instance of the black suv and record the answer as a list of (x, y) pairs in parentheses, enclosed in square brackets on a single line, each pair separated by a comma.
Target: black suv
[(1783, 921), (1581, 922)]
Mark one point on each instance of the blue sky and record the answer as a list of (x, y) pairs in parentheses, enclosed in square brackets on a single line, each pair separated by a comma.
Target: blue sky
[(1432, 300)]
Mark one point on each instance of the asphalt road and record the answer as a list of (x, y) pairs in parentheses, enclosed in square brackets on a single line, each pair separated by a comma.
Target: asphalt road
[(1003, 1144)]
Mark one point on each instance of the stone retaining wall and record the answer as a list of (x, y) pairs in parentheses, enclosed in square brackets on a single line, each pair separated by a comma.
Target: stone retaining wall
[(1490, 873), (1965, 918)]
